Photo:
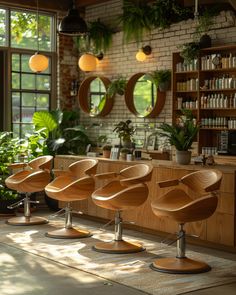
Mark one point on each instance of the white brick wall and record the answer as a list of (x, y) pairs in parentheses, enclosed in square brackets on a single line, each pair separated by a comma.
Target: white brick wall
[(120, 60)]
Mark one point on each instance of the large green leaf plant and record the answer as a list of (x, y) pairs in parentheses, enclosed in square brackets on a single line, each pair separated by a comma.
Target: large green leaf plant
[(62, 134), (182, 134)]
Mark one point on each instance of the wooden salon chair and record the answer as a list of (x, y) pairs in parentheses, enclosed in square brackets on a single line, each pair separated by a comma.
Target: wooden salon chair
[(182, 207), (33, 178), (126, 191), (73, 185)]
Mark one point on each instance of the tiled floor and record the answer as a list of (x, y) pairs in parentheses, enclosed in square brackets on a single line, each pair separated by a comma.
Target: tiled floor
[(28, 274)]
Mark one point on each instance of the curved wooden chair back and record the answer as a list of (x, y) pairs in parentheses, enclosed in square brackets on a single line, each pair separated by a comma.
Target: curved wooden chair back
[(84, 167), (42, 162), (136, 174), (203, 181)]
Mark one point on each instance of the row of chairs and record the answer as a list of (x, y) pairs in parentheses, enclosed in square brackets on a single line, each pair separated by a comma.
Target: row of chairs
[(124, 190)]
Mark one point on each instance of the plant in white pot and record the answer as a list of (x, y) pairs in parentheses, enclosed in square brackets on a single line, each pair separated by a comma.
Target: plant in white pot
[(181, 135)]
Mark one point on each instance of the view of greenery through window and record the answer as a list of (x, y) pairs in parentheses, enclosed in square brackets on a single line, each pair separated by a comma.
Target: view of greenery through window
[(30, 91), (2, 27), (24, 31)]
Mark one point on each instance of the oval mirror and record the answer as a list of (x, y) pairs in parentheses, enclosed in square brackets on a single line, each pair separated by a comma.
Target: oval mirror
[(142, 96), (92, 96)]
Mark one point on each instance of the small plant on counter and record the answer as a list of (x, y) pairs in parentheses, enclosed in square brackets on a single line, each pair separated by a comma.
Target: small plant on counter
[(125, 132), (106, 150)]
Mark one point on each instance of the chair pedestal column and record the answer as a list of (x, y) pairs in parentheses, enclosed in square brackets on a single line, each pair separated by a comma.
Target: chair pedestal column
[(68, 232), (27, 219), (118, 245), (180, 264)]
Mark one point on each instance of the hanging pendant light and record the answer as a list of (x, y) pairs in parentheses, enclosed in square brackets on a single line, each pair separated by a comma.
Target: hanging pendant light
[(73, 24), (38, 62), (87, 62)]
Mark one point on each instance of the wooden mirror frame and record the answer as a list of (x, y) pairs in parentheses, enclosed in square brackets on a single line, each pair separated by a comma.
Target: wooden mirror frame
[(83, 96), (129, 98)]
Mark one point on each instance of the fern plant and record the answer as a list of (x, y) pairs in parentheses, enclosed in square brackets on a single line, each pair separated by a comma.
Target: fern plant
[(100, 36), (136, 20)]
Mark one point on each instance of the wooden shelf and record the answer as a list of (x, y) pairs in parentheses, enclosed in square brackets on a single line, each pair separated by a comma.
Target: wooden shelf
[(200, 113)]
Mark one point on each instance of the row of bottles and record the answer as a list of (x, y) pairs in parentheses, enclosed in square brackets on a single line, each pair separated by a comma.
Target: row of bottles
[(187, 103), (209, 150), (218, 61), (218, 122), (218, 101), (190, 84), (222, 82), (183, 67)]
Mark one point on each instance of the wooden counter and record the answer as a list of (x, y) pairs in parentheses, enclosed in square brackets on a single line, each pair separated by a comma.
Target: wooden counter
[(218, 229)]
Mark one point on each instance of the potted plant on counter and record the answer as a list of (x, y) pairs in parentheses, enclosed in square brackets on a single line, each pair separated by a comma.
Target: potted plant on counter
[(106, 150), (181, 135), (125, 132)]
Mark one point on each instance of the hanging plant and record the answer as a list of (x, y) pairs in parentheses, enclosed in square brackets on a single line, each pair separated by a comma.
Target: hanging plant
[(100, 36), (136, 20), (167, 12)]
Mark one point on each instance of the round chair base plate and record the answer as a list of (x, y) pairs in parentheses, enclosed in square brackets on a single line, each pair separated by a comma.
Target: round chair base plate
[(68, 233), (179, 265), (118, 247), (22, 220)]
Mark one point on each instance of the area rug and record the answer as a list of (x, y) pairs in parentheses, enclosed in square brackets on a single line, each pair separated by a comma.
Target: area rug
[(132, 270)]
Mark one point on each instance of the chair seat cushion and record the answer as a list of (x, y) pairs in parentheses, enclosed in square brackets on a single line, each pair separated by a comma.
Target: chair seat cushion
[(115, 196)]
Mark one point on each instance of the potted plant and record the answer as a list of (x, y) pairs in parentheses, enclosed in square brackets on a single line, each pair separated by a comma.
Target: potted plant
[(117, 87), (125, 132), (205, 22), (123, 153), (106, 150), (162, 79), (181, 135), (189, 52)]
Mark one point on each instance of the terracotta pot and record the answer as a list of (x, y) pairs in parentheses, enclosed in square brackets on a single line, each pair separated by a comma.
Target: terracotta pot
[(106, 154)]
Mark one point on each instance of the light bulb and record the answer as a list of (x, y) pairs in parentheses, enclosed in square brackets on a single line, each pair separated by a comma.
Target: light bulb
[(141, 56), (38, 63), (87, 62)]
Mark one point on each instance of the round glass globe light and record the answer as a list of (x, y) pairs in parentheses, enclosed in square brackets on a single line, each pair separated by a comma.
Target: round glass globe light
[(87, 62), (38, 63), (141, 56)]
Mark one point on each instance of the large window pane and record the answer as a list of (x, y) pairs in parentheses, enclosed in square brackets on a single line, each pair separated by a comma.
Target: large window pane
[(28, 99), (43, 101), (24, 33), (2, 27), (43, 82), (27, 114), (15, 81), (28, 81), (15, 62)]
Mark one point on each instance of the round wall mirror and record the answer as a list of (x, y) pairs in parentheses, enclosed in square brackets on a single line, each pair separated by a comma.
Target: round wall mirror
[(142, 96), (92, 96)]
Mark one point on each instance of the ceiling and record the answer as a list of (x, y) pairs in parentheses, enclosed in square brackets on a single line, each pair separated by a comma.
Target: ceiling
[(63, 5)]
